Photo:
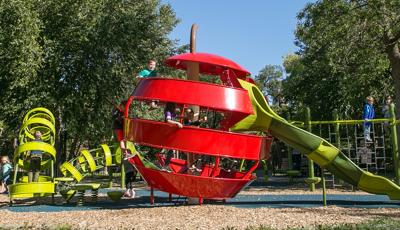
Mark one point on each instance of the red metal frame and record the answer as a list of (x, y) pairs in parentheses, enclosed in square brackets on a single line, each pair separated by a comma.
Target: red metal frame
[(193, 185), (197, 140), (204, 94), (213, 182), (208, 64), (234, 102)]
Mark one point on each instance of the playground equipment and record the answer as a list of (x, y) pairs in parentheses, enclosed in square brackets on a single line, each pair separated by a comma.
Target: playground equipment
[(244, 108), (74, 171), (214, 182), (347, 135), (88, 162), (314, 147), (209, 180), (39, 119)]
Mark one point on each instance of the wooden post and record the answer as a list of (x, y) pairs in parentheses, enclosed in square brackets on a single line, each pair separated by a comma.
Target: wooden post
[(192, 71)]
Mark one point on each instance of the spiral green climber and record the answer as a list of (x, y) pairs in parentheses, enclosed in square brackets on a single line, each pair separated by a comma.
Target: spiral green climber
[(38, 119), (74, 171)]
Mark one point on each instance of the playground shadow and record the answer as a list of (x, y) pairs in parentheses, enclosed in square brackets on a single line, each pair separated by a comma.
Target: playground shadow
[(311, 203), (240, 201)]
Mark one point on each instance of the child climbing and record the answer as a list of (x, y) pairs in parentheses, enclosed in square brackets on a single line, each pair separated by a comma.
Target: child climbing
[(169, 117), (170, 114)]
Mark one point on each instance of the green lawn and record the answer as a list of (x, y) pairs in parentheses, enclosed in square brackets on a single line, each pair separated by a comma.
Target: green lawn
[(382, 223)]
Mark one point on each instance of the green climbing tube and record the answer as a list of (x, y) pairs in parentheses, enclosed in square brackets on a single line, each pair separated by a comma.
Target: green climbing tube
[(314, 147)]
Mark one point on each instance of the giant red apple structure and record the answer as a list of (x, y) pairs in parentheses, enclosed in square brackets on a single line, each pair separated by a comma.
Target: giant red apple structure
[(214, 182)]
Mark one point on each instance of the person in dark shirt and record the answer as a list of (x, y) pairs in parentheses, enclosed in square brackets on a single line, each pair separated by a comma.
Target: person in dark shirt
[(118, 120)]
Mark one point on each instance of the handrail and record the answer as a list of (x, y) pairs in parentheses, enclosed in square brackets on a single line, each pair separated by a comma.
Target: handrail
[(348, 122)]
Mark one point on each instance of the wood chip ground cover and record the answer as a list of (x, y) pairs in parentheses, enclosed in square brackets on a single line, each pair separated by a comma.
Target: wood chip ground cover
[(194, 216)]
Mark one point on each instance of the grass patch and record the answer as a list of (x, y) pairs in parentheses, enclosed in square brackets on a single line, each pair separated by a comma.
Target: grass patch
[(376, 224), (381, 223)]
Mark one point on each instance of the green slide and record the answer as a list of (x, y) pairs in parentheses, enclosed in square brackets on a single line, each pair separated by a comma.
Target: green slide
[(314, 147)]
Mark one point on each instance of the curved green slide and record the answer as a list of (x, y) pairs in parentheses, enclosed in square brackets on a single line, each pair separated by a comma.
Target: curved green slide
[(314, 147)]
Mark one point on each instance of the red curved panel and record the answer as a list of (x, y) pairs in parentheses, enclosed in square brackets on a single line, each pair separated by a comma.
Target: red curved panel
[(208, 64), (193, 186), (196, 93), (197, 140)]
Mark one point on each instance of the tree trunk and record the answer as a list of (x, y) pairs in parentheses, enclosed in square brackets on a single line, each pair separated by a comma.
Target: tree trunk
[(60, 158), (73, 147)]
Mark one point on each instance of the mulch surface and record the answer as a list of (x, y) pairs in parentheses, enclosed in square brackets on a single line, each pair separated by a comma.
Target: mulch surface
[(207, 216)]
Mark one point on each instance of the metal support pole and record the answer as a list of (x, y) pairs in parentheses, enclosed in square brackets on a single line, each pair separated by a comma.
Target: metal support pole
[(290, 150), (122, 169), (395, 147), (289, 159), (241, 165), (310, 162), (337, 138), (265, 167), (52, 169), (323, 186), (337, 128)]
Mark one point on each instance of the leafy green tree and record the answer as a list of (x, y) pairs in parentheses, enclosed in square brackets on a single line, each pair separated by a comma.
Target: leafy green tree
[(349, 50), (294, 95), (269, 79), (77, 58), (20, 59)]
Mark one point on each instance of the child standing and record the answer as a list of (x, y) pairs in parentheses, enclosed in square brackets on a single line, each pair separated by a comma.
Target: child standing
[(130, 175), (150, 71), (5, 174), (35, 160), (118, 120), (368, 114)]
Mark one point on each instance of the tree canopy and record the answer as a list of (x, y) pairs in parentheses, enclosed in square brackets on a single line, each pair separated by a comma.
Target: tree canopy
[(77, 58), (348, 50)]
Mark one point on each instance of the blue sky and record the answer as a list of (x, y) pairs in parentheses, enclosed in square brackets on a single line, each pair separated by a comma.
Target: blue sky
[(252, 33)]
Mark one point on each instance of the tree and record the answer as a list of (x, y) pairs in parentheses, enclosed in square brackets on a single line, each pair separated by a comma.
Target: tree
[(350, 49), (78, 58), (269, 80), (20, 59)]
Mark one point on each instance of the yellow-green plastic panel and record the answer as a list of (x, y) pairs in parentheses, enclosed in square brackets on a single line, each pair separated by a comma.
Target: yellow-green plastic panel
[(90, 160), (66, 168), (24, 179), (20, 155), (22, 190), (107, 154), (40, 110)]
